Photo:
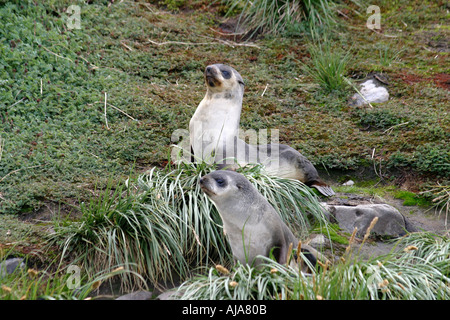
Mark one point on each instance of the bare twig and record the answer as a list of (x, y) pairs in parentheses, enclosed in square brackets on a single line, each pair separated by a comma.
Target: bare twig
[(93, 66), (118, 109), (264, 90), (343, 14), (384, 35), (17, 170), (392, 128), (232, 43), (17, 102), (93, 154), (122, 43), (56, 54), (106, 119), (179, 42), (2, 143), (428, 49), (225, 42), (227, 34), (123, 112)]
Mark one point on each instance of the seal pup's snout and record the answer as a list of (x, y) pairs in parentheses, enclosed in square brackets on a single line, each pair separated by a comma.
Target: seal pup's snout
[(209, 70), (205, 186), (204, 183), (211, 76)]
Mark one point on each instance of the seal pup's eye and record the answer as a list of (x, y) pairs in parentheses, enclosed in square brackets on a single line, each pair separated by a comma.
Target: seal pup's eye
[(220, 181), (226, 74)]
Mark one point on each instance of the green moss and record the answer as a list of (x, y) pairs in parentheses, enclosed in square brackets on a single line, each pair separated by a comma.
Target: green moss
[(334, 233), (411, 199), (368, 187)]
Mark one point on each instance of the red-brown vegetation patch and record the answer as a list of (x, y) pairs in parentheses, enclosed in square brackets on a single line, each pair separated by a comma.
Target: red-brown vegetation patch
[(441, 80)]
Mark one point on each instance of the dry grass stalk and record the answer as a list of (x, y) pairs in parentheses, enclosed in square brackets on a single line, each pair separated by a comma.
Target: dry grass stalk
[(289, 254), (222, 269), (299, 249), (324, 266), (351, 240), (410, 248), (369, 229)]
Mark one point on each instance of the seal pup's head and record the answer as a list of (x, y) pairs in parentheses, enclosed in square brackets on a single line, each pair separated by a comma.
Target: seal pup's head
[(223, 81), (226, 187)]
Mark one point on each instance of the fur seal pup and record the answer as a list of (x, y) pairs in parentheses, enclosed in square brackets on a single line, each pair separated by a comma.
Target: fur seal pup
[(214, 133), (217, 117), (252, 225)]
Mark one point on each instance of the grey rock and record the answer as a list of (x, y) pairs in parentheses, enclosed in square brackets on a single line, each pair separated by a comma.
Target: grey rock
[(10, 265), (390, 221), (348, 183), (371, 92), (138, 295)]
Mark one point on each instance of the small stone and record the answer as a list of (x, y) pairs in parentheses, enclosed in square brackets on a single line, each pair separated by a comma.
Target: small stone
[(319, 242), (348, 183), (10, 265)]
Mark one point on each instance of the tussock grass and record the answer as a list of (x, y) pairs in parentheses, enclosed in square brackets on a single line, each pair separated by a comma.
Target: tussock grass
[(275, 16), (327, 67), (419, 270), (441, 198), (162, 225), (117, 228), (60, 284)]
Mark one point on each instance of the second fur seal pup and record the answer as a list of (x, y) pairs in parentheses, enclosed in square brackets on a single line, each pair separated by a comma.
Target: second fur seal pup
[(252, 225)]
